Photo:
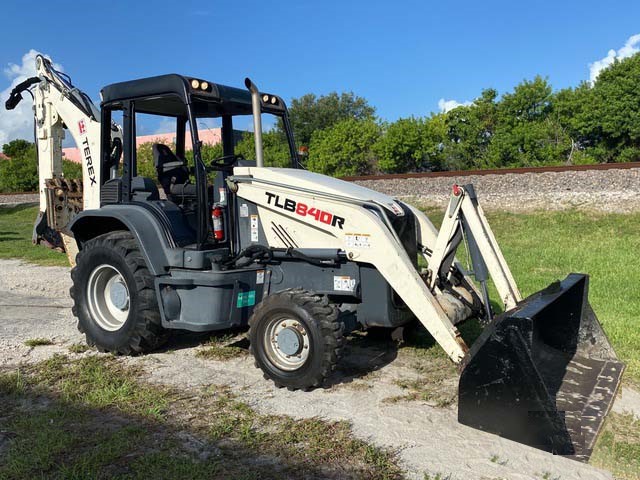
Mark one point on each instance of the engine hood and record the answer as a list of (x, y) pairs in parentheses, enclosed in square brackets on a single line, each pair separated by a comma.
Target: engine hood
[(321, 183)]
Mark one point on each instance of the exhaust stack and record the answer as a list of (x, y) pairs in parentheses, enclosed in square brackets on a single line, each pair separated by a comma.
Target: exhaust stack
[(257, 120)]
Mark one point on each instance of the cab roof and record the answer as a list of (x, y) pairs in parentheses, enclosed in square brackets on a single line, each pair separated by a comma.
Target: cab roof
[(169, 95)]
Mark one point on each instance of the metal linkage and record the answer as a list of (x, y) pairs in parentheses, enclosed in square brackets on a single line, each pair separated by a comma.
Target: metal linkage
[(465, 216)]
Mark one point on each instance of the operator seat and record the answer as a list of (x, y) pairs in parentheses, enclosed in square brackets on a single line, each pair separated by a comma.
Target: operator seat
[(143, 189), (173, 173)]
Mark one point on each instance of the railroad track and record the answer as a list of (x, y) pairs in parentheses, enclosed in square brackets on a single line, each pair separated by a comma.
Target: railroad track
[(15, 194), (498, 171), (464, 173)]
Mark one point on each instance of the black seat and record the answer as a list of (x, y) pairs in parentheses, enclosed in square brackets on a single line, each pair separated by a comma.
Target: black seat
[(144, 189), (173, 173)]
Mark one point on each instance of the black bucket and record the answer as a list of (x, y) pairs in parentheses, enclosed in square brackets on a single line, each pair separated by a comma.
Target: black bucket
[(543, 373)]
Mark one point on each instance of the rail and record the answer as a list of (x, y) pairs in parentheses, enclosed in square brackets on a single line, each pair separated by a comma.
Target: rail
[(466, 173), (497, 171)]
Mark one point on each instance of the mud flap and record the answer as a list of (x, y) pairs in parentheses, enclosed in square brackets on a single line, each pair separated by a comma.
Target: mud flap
[(543, 374)]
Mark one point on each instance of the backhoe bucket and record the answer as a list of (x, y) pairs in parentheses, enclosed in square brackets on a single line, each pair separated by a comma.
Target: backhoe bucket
[(543, 373)]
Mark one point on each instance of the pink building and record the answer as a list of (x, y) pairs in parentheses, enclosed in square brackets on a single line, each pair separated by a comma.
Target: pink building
[(211, 136)]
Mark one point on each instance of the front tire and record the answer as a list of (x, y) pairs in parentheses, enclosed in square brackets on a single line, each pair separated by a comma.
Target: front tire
[(296, 338), (114, 298)]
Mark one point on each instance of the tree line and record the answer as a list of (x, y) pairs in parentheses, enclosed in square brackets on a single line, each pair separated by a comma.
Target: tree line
[(532, 125), (529, 126)]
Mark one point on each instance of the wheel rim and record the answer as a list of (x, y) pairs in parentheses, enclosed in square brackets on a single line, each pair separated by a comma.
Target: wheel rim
[(108, 297), (286, 343)]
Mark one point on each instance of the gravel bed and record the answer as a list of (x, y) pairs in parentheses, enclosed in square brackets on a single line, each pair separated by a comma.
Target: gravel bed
[(601, 190), (17, 199), (616, 191)]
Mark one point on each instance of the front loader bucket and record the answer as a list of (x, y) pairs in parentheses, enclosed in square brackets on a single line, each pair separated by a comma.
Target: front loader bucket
[(543, 373)]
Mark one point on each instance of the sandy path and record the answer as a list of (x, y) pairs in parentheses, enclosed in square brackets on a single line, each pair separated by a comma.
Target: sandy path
[(34, 303)]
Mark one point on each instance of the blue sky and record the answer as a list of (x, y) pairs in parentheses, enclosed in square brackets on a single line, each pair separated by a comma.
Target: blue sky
[(403, 56)]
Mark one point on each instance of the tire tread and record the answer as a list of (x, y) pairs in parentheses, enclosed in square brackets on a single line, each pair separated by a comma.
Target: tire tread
[(148, 333), (331, 329)]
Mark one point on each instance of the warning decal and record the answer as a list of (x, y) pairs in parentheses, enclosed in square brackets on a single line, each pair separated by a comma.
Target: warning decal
[(254, 228), (344, 283), (358, 240)]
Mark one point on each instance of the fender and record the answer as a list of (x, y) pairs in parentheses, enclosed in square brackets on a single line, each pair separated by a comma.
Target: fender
[(155, 242)]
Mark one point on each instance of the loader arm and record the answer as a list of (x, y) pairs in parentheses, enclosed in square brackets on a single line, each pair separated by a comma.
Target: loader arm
[(464, 218)]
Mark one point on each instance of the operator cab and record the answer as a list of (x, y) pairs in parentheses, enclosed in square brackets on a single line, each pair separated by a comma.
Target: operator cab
[(186, 183)]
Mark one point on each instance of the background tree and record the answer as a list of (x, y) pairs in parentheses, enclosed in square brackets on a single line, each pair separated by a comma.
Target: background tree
[(17, 148), (411, 144), (531, 125), (526, 132), (344, 149), (310, 113), (275, 148), (470, 130), (20, 172), (613, 117)]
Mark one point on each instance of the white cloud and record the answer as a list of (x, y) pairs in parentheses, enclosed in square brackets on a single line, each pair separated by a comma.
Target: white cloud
[(18, 123), (447, 105), (631, 46)]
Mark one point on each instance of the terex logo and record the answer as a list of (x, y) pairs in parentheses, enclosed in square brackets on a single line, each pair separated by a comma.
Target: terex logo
[(87, 158), (303, 210)]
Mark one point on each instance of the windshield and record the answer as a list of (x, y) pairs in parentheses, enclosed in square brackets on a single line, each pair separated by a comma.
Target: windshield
[(278, 147)]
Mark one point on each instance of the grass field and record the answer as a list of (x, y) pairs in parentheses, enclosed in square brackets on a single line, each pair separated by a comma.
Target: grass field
[(539, 247), (543, 247), (95, 418), (16, 226)]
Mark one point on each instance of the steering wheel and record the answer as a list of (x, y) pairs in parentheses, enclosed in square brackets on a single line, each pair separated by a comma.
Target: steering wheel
[(116, 151), (225, 161)]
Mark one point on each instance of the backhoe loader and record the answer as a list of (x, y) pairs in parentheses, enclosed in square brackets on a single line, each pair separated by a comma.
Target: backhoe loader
[(300, 258)]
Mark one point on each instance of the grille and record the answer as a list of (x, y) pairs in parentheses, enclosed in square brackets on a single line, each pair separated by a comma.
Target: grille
[(111, 192)]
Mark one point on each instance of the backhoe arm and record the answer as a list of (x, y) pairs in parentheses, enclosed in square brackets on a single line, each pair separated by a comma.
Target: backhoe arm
[(58, 105)]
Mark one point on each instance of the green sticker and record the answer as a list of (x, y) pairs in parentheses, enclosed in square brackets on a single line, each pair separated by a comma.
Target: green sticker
[(246, 299)]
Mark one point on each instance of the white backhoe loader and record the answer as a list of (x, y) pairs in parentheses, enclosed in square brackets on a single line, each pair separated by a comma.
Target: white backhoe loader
[(300, 258)]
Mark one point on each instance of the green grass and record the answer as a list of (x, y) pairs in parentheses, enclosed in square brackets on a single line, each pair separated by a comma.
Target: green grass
[(38, 342), (16, 226), (221, 347), (539, 247), (618, 448), (97, 418), (545, 246), (100, 382), (79, 348)]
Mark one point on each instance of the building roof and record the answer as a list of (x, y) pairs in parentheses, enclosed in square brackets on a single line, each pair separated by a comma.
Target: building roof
[(210, 136)]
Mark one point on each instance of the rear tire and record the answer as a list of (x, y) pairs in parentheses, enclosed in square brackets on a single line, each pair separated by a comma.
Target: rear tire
[(114, 296), (296, 338)]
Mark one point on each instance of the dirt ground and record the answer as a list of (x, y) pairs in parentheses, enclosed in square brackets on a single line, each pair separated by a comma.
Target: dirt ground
[(34, 303)]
